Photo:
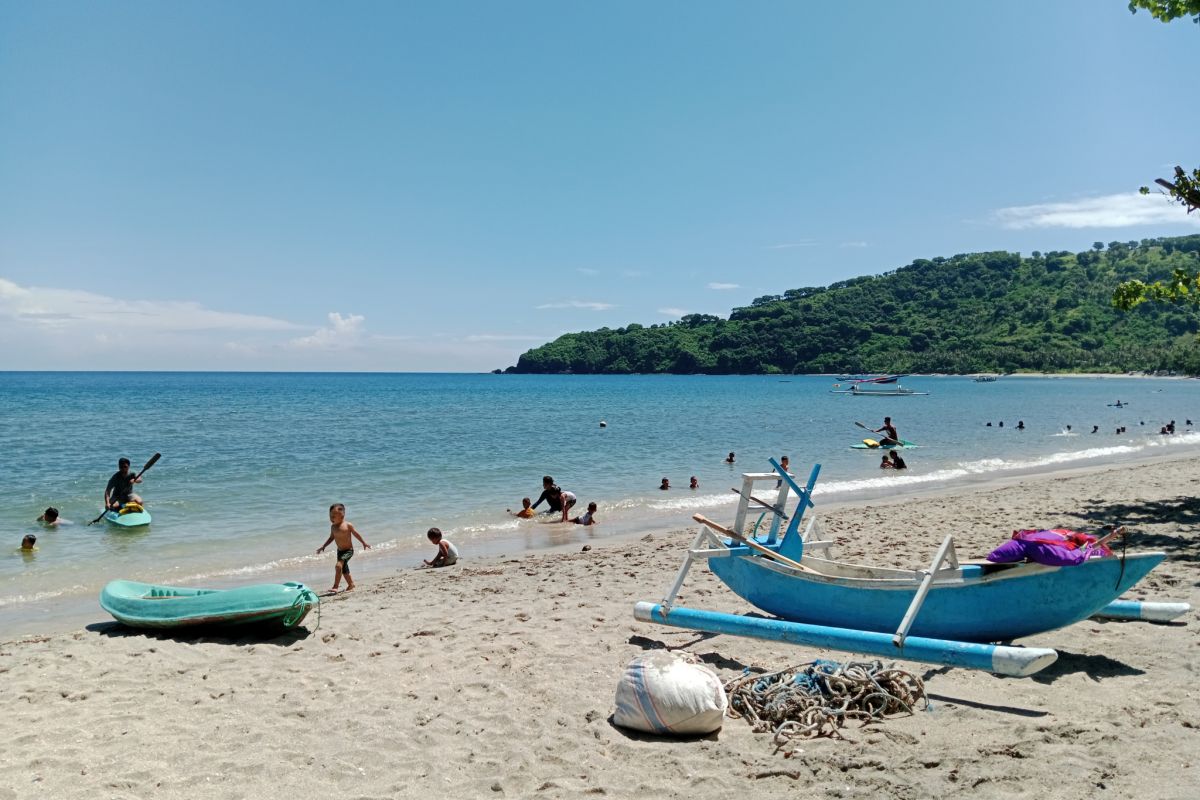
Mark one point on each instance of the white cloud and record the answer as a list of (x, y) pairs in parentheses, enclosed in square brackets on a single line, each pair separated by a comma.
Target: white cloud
[(587, 271), (723, 286), (578, 304), (89, 313), (674, 312), (1108, 211), (342, 332), (505, 337), (854, 244), (792, 245)]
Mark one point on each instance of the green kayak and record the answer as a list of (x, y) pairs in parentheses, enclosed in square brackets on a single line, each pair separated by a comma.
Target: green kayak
[(144, 605), (871, 444), (128, 518)]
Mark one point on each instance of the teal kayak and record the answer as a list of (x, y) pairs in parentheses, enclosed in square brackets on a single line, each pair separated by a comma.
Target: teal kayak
[(871, 444), (128, 519), (144, 605)]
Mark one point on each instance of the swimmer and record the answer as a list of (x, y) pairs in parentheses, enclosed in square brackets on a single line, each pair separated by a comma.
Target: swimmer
[(1020, 424), (666, 484), (729, 458), (28, 544), (51, 519), (526, 510), (885, 463), (695, 484)]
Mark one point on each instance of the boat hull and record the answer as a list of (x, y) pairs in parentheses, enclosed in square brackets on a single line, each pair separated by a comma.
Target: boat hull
[(136, 519), (144, 605), (904, 445), (985, 604)]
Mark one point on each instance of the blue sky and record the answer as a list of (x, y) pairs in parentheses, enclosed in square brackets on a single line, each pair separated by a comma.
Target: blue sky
[(440, 186)]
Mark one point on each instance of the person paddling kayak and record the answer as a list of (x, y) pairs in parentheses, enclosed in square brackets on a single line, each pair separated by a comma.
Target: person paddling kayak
[(890, 436), (119, 490)]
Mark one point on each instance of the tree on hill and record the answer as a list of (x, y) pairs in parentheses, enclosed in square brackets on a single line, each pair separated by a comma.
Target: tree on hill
[(1183, 286)]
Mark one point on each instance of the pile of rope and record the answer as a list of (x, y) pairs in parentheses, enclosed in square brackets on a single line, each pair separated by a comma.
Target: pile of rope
[(818, 698)]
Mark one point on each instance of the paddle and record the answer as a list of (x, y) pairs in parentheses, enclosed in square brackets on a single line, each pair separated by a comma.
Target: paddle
[(153, 460)]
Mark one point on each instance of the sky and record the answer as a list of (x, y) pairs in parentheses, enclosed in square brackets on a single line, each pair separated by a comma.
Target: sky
[(404, 186)]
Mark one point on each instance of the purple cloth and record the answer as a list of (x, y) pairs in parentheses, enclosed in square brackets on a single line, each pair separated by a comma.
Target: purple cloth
[(1010, 551), (1039, 547)]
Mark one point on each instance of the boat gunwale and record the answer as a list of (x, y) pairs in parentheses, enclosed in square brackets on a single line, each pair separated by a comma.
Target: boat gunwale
[(948, 578)]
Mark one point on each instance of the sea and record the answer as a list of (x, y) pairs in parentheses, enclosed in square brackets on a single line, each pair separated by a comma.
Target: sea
[(252, 461)]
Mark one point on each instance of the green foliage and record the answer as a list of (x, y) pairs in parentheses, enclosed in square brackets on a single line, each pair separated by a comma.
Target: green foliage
[(1185, 189), (978, 312), (1167, 10)]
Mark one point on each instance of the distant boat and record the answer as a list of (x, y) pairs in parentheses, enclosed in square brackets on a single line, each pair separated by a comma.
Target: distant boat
[(986, 378), (881, 391), (872, 378)]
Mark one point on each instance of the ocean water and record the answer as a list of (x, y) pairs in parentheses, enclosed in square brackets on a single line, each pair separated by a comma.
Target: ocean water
[(251, 462)]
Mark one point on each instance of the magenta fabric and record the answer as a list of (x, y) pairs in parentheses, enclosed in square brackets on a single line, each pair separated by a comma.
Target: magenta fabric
[(1012, 550), (1054, 548)]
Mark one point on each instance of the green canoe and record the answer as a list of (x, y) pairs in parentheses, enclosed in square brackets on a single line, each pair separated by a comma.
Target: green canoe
[(128, 519), (144, 605)]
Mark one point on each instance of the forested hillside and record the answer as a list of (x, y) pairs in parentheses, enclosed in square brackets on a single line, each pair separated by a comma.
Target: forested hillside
[(980, 312)]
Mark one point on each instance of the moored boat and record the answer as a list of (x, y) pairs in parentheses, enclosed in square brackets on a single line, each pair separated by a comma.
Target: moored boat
[(878, 390), (948, 613), (145, 605)]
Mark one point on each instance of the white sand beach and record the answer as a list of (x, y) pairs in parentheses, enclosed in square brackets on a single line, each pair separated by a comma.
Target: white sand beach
[(496, 679)]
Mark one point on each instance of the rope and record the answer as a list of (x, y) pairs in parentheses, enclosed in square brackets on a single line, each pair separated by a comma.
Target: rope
[(304, 599), (818, 698)]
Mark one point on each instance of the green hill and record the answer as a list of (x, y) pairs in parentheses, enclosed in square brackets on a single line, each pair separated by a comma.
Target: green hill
[(980, 312)]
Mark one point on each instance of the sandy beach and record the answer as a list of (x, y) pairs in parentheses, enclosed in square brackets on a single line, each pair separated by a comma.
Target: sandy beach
[(496, 678)]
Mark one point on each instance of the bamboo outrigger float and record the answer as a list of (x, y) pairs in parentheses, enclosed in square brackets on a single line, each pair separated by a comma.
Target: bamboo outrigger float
[(955, 614)]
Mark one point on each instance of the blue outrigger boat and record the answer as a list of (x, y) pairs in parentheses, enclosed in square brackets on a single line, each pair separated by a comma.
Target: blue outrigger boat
[(951, 613)]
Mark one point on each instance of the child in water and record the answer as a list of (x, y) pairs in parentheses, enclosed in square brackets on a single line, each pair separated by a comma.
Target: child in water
[(447, 553), (587, 519), (343, 534), (885, 464), (526, 509), (28, 544)]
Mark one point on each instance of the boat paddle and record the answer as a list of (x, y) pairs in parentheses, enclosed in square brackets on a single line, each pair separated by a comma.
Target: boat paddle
[(153, 460)]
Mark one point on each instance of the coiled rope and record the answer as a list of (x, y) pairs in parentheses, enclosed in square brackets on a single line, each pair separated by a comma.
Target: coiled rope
[(817, 698)]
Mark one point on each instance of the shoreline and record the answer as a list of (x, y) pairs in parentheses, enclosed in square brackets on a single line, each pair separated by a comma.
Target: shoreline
[(79, 611), (495, 677)]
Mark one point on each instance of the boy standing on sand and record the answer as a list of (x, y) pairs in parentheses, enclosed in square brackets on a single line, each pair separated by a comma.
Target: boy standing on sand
[(343, 534)]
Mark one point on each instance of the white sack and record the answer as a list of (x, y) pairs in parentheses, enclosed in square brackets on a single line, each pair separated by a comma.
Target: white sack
[(665, 692)]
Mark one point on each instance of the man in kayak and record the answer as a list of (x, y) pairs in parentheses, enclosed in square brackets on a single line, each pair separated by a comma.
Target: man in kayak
[(119, 490), (890, 436)]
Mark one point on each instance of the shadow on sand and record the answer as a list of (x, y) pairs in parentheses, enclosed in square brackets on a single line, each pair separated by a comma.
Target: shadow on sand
[(1182, 511), (1096, 667), (238, 636)]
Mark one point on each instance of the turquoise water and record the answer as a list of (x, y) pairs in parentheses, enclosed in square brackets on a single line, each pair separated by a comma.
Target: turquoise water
[(251, 462)]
